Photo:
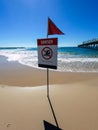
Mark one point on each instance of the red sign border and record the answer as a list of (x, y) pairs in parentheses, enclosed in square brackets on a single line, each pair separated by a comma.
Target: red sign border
[(39, 41)]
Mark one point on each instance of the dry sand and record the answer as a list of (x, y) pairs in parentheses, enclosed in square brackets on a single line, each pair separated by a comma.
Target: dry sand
[(74, 97)]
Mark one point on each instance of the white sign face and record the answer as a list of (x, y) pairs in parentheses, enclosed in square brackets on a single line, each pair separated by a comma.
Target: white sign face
[(47, 53)]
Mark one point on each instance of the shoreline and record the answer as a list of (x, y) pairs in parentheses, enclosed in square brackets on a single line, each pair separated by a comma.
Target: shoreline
[(16, 74)]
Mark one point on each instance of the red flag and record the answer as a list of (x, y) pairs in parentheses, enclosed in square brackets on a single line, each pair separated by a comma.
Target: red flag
[(52, 28)]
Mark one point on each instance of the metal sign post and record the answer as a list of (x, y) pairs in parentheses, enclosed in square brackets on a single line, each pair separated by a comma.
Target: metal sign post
[(47, 55), (47, 58)]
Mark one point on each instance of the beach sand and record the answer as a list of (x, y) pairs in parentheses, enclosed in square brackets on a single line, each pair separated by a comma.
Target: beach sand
[(24, 104)]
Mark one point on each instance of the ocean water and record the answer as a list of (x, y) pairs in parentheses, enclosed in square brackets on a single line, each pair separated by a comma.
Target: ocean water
[(70, 59)]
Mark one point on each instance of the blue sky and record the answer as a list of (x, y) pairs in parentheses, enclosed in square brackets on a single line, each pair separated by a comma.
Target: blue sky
[(22, 22)]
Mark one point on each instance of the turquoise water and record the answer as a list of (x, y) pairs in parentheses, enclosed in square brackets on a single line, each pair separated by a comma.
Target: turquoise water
[(70, 59), (79, 52)]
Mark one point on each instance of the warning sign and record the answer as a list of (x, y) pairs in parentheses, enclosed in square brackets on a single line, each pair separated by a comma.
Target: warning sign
[(47, 53)]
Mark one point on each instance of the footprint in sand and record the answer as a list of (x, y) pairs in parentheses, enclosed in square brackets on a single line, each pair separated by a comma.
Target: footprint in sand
[(8, 125)]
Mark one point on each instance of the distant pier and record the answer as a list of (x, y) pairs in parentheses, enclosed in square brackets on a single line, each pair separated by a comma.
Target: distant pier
[(91, 44)]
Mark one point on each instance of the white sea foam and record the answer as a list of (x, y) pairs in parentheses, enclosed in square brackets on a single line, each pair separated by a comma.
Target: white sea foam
[(66, 62)]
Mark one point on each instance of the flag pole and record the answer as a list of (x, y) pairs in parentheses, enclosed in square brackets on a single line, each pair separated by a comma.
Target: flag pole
[(48, 96), (47, 82), (47, 79)]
